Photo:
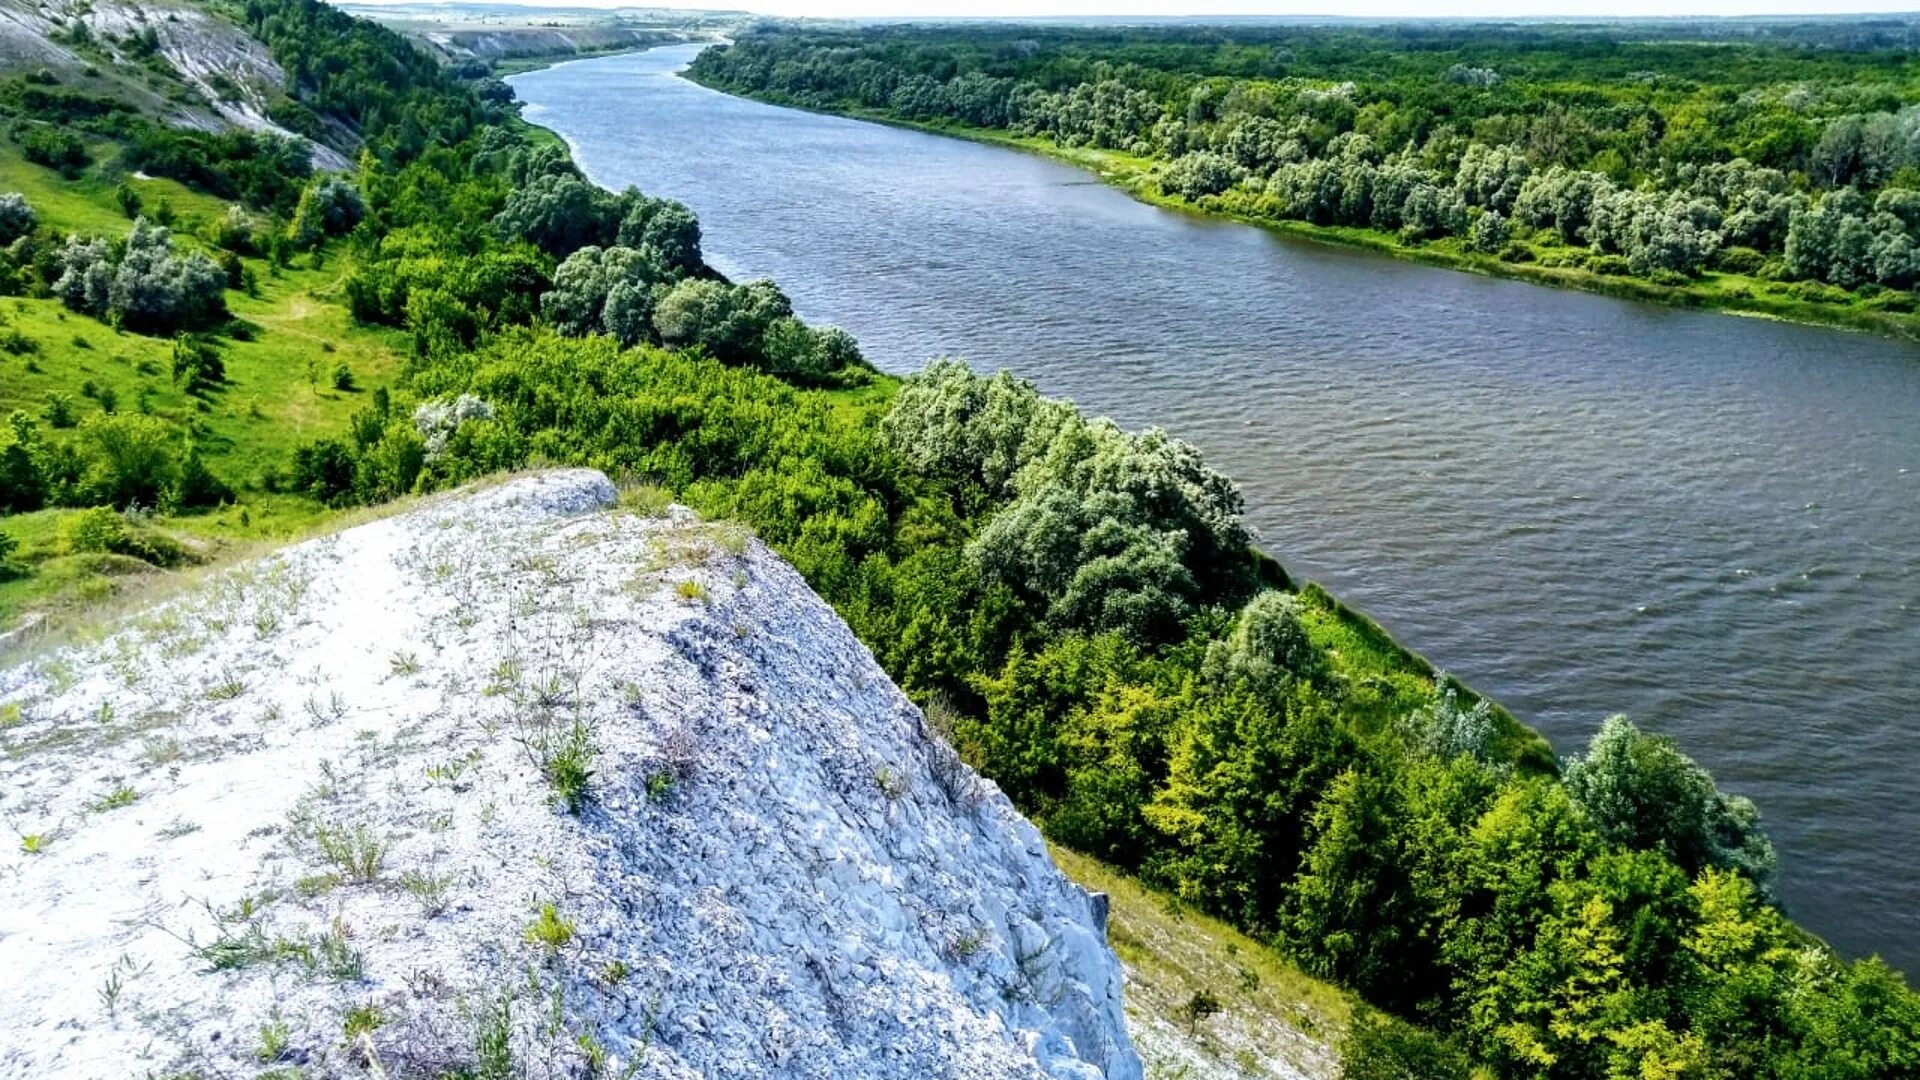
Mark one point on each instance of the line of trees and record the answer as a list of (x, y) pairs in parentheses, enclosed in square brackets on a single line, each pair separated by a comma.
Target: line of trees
[(1785, 166)]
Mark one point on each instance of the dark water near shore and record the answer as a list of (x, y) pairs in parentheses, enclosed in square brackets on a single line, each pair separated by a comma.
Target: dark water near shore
[(1577, 504)]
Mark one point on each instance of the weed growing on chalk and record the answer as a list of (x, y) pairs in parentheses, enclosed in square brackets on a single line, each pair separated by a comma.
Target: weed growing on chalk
[(968, 944), (326, 710), (550, 931), (115, 985), (274, 1040), (891, 784), (429, 889), (329, 954), (118, 797), (160, 750), (35, 843), (362, 1020), (691, 591), (316, 885), (645, 500), (356, 853), (450, 772), (228, 688), (493, 1043), (404, 663), (504, 678), (177, 828), (568, 765), (659, 786), (9, 715)]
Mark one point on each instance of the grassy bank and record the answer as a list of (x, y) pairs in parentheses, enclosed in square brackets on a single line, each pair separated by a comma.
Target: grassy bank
[(291, 339), (1273, 1020), (1734, 294)]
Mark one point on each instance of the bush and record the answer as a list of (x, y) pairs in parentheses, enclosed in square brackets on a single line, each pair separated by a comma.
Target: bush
[(197, 365), (1489, 233), (128, 198), (126, 460), (17, 218), (104, 530), (98, 529), (330, 206), (1739, 260), (56, 148), (1378, 1047), (1200, 174), (151, 287)]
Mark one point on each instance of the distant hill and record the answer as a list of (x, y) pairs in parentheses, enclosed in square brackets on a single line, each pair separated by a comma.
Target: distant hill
[(190, 65)]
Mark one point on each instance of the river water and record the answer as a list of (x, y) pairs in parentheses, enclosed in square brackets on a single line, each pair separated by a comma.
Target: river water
[(1579, 505)]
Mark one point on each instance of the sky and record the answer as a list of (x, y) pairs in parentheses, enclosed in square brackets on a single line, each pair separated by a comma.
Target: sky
[(1357, 8)]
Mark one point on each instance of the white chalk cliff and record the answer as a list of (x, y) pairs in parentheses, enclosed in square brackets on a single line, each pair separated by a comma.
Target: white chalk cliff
[(311, 814)]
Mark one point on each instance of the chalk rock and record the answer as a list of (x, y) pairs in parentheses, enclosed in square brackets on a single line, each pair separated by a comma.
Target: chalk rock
[(519, 780)]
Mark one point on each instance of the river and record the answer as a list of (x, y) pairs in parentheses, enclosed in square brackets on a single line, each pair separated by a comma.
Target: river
[(1577, 504)]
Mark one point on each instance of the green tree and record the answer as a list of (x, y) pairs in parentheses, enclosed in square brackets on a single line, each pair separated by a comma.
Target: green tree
[(1642, 792)]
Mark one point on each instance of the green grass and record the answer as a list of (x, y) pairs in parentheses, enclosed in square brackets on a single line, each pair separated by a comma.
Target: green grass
[(1273, 1016), (1387, 681), (278, 392), (86, 204)]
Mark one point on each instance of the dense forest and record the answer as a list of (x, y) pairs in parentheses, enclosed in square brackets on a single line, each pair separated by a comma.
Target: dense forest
[(1773, 169), (1077, 607)]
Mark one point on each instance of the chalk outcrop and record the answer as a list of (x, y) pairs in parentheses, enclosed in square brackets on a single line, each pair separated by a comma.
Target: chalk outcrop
[(522, 782)]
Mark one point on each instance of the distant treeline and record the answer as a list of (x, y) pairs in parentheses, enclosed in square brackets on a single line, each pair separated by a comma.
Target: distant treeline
[(1785, 157)]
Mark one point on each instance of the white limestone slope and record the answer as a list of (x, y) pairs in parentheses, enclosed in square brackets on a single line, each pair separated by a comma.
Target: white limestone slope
[(302, 816)]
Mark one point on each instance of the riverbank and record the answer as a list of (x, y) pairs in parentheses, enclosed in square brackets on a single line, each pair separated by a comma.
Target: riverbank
[(1732, 294)]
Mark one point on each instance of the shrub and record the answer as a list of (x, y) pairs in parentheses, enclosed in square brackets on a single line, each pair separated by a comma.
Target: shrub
[(1378, 1047), (197, 365), (98, 529), (550, 930), (1739, 260), (127, 460), (17, 218), (196, 486), (1200, 174), (58, 411), (1489, 233), (330, 206), (54, 147), (128, 198), (150, 287), (1197, 1009)]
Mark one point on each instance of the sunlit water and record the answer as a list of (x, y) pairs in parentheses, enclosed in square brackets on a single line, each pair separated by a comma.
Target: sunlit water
[(1580, 505)]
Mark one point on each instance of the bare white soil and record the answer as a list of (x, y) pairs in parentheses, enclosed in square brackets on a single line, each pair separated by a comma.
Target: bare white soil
[(312, 815)]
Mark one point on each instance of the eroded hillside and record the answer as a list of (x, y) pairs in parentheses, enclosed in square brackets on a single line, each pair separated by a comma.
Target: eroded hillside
[(525, 783), (175, 61)]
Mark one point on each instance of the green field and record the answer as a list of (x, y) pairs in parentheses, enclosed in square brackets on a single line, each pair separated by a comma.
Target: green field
[(279, 388)]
